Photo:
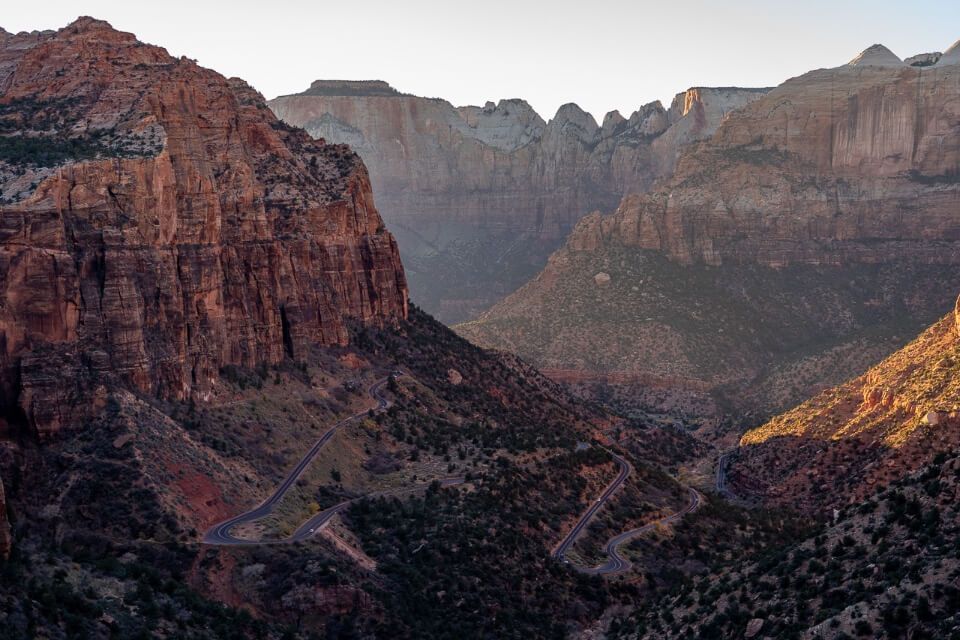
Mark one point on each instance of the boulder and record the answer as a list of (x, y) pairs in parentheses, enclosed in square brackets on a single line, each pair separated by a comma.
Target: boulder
[(753, 628)]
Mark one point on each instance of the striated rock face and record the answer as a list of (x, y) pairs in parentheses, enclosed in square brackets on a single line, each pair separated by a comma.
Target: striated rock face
[(835, 196), (502, 165), (5, 538), (810, 175), (462, 186), (163, 224)]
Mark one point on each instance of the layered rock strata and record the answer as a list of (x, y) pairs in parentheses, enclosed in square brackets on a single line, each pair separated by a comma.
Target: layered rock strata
[(479, 196), (159, 223)]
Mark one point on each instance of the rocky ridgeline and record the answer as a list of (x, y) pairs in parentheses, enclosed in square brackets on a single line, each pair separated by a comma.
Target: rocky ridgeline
[(460, 186), (855, 164), (855, 167), (167, 225), (502, 164), (842, 444)]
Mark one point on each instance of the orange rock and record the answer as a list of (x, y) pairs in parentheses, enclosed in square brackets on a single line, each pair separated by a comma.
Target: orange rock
[(214, 235)]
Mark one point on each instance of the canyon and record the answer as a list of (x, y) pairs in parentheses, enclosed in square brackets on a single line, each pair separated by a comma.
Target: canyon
[(480, 196), (193, 293), (829, 203), (158, 223), (201, 304)]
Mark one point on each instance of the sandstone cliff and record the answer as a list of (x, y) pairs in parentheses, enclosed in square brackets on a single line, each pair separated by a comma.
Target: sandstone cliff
[(158, 223), (812, 233), (479, 196), (853, 164), (839, 446)]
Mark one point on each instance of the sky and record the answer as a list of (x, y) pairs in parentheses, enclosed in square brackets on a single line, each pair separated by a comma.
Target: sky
[(601, 54)]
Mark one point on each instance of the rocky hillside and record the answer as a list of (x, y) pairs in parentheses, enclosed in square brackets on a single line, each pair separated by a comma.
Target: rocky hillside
[(479, 196), (837, 447), (830, 204), (885, 567), (158, 223)]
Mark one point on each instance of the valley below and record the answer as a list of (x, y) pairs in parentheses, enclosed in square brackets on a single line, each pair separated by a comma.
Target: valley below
[(357, 364)]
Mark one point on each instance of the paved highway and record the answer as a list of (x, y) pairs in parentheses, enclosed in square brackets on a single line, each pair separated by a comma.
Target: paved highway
[(314, 524), (220, 534), (722, 463), (617, 563), (625, 470)]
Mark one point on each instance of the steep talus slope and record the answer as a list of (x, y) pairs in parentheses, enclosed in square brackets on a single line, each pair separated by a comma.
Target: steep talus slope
[(159, 223), (479, 196), (832, 200), (838, 446)]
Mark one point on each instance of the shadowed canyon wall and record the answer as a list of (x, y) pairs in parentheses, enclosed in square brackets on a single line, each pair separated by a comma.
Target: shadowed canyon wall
[(479, 196)]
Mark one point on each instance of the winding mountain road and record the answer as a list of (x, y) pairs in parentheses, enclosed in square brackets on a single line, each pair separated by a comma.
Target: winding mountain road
[(615, 562), (625, 470), (723, 462), (220, 534)]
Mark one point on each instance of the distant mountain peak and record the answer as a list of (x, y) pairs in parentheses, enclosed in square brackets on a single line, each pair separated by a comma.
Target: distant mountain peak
[(951, 55), (876, 55), (88, 23), (351, 88)]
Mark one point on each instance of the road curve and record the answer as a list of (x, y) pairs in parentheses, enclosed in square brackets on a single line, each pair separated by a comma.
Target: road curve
[(625, 470), (309, 528), (723, 462), (220, 534), (617, 563)]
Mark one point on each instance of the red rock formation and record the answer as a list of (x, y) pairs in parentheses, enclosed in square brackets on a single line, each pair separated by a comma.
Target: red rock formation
[(184, 228)]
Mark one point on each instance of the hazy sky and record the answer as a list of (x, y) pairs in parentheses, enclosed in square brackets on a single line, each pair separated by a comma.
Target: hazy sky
[(601, 54)]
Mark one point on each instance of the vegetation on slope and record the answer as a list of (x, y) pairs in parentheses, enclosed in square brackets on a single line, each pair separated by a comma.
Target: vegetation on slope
[(887, 567), (701, 340)]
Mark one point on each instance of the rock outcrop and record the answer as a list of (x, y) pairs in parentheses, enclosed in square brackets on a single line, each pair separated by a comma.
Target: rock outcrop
[(159, 223), (878, 56), (832, 176), (463, 186)]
